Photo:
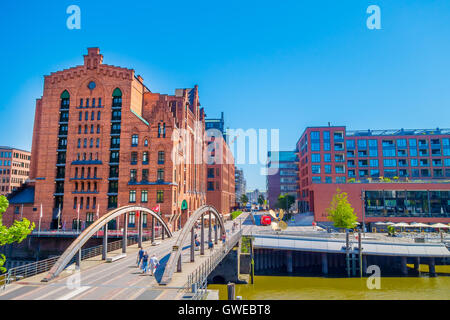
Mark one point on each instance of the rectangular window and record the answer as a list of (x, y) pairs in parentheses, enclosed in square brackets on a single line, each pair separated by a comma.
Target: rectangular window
[(362, 144), (316, 180), (144, 196), (132, 197), (390, 162), (374, 162), (327, 169), (315, 169), (159, 196), (350, 144), (327, 157), (315, 157)]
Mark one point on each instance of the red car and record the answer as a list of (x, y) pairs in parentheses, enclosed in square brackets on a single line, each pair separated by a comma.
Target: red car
[(266, 220)]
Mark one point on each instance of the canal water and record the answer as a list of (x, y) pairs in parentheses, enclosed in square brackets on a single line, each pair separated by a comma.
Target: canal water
[(320, 288)]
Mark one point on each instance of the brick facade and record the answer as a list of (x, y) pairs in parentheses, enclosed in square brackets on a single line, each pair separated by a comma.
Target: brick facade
[(102, 140)]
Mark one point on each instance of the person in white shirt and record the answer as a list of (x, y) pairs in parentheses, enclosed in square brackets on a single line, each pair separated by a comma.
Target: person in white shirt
[(153, 263)]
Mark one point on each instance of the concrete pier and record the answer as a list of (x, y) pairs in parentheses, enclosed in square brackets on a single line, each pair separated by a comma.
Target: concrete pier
[(404, 267), (289, 261), (431, 267), (324, 263)]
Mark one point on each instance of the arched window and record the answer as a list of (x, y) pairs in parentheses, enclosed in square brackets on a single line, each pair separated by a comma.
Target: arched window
[(76, 173), (159, 130), (80, 116), (91, 143), (79, 129), (98, 115), (95, 172), (98, 143), (164, 130), (89, 172), (98, 128), (85, 143), (75, 202), (65, 100), (82, 172), (146, 143), (92, 128), (117, 98), (76, 186), (93, 115), (86, 115), (79, 143), (85, 128)]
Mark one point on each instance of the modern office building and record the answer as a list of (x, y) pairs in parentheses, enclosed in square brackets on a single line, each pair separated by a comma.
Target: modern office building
[(14, 168), (254, 195), (102, 139), (283, 175), (240, 184), (400, 172)]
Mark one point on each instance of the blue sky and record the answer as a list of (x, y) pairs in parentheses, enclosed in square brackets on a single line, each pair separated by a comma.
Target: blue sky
[(284, 65)]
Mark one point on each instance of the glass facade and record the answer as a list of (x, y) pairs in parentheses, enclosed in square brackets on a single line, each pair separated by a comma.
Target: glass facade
[(400, 203)]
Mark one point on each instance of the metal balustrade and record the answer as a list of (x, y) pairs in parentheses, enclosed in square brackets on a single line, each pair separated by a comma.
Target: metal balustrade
[(198, 279), (32, 269)]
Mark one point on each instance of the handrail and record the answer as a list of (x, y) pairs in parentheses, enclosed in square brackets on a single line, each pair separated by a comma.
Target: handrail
[(34, 268), (200, 275)]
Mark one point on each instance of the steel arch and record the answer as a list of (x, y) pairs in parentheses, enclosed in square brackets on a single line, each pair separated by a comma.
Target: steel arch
[(185, 233), (78, 243)]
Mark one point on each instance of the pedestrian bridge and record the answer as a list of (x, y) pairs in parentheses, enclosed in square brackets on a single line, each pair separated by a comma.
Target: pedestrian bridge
[(181, 263)]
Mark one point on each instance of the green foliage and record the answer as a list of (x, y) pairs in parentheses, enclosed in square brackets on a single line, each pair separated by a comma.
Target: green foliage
[(244, 199), (351, 180), (261, 200), (235, 214), (285, 201), (16, 233), (341, 212), (387, 180), (391, 230), (245, 244)]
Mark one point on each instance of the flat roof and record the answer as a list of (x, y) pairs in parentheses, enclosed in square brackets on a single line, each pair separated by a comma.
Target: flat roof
[(12, 148)]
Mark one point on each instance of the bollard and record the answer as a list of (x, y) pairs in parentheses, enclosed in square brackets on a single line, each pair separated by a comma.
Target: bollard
[(231, 291)]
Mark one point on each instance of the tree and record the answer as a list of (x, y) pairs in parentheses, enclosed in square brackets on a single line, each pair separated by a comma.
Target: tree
[(244, 199), (285, 201), (341, 212), (16, 233), (261, 200)]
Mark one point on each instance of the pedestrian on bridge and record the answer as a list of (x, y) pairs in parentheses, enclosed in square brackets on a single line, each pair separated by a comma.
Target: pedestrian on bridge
[(153, 263), (145, 262), (140, 255)]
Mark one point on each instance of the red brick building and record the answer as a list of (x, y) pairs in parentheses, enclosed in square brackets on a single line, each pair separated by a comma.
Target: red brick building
[(102, 139), (220, 186), (14, 168), (401, 174)]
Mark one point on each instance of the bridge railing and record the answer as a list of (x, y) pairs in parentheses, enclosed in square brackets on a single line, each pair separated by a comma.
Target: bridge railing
[(34, 268), (198, 278)]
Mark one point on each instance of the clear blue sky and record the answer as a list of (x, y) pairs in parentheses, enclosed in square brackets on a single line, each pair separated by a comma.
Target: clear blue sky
[(266, 64)]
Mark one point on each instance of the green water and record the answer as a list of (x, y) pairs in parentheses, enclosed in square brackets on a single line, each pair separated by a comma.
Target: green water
[(317, 288)]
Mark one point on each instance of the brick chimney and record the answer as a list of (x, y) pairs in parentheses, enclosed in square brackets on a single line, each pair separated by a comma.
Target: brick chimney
[(93, 58)]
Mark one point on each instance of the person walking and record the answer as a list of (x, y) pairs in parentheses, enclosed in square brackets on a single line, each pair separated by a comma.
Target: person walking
[(140, 255), (153, 263), (145, 262)]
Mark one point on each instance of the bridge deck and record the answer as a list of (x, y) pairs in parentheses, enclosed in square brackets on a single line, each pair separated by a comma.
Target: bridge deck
[(120, 280)]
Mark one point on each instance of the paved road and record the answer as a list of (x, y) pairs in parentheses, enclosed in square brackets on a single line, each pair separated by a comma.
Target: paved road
[(107, 281)]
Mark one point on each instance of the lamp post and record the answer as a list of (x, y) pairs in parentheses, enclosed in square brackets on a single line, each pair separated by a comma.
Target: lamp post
[(363, 213)]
